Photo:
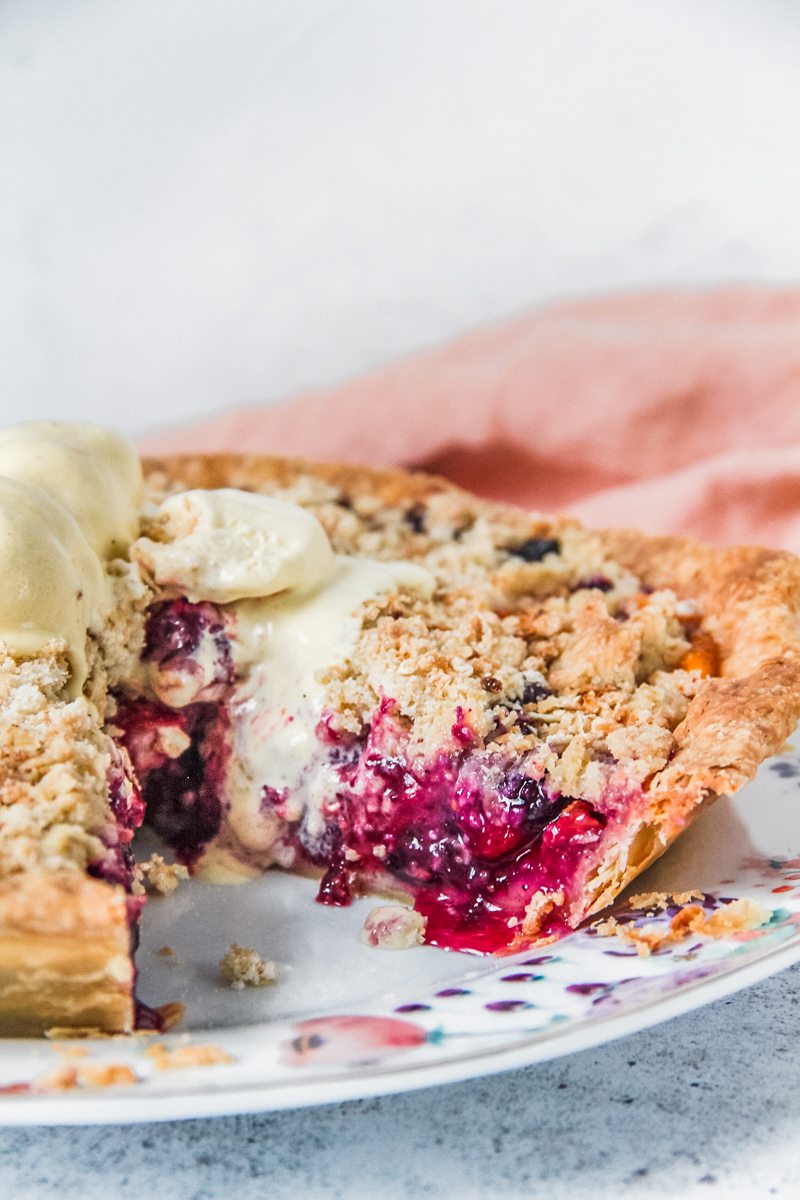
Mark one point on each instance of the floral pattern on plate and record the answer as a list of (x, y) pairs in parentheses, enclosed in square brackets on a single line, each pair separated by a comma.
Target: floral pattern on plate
[(495, 1013)]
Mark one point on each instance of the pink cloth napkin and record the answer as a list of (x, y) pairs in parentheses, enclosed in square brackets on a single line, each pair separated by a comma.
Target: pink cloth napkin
[(671, 411)]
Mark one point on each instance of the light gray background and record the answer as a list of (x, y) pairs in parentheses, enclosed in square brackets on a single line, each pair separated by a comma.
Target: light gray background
[(207, 203)]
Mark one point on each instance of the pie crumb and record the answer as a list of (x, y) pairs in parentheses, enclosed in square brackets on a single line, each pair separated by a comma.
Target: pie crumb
[(62, 1078), (65, 1077), (69, 1051), (163, 877), (171, 1013), (102, 1075), (608, 928), (686, 897), (244, 967), (166, 952), (393, 927), (661, 900), (180, 1058), (650, 900), (737, 916)]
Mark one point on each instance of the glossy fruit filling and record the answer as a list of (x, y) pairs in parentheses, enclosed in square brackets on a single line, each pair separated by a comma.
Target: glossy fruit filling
[(472, 837), (116, 863)]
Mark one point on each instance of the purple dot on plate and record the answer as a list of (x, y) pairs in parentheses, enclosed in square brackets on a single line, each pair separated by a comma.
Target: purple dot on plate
[(413, 1008), (586, 989), (540, 961), (507, 1005), (522, 977), (446, 992)]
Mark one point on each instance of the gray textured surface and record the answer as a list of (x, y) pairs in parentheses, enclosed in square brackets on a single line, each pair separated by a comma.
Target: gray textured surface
[(707, 1105)]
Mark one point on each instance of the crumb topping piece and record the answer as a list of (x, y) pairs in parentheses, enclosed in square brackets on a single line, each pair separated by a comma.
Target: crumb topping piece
[(162, 876), (243, 967), (66, 1077), (181, 1058), (393, 927), (54, 805), (736, 916), (661, 900)]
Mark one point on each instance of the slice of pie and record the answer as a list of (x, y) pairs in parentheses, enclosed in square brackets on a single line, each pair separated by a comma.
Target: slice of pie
[(370, 676)]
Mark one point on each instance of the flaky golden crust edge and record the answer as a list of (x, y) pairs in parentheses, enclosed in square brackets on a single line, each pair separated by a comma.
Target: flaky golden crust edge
[(751, 601), (64, 955)]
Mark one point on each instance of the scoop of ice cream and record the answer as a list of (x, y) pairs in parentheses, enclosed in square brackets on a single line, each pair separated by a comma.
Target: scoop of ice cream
[(226, 545), (93, 472), (53, 583)]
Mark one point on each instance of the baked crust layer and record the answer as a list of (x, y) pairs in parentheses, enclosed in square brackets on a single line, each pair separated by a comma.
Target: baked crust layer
[(65, 957)]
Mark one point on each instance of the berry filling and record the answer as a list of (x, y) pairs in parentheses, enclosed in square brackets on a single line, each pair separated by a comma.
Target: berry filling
[(470, 838), (475, 839), (116, 864)]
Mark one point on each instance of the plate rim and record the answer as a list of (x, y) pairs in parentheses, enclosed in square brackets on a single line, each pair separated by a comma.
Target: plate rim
[(111, 1107)]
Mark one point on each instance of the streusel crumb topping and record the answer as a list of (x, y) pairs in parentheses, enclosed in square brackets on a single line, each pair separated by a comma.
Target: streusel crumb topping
[(54, 805), (543, 645), (242, 967)]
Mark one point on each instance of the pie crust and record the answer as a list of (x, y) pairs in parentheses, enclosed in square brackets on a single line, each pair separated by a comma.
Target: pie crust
[(65, 938)]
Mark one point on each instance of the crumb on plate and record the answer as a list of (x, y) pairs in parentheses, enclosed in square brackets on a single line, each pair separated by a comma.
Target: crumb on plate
[(171, 1013), (393, 927), (179, 1058), (66, 1077), (103, 1075), (661, 900), (242, 967), (70, 1051), (737, 916), (161, 876)]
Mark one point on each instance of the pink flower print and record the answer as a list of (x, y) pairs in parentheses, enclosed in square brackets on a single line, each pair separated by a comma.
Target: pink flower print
[(349, 1041)]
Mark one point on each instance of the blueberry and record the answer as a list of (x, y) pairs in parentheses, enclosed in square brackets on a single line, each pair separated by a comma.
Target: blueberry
[(534, 549), (538, 807), (176, 627), (600, 583), (181, 799), (534, 692), (415, 517)]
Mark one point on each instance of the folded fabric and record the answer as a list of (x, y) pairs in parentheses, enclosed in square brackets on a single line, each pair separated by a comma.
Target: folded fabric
[(674, 411)]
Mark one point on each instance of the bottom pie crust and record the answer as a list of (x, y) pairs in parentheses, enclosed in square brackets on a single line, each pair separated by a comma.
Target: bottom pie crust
[(65, 959)]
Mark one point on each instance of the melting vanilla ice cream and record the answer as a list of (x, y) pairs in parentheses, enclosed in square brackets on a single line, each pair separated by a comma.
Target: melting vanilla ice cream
[(93, 472), (287, 642), (226, 545), (296, 612), (69, 501)]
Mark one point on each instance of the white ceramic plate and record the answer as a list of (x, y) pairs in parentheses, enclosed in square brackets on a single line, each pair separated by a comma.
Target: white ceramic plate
[(345, 1021)]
